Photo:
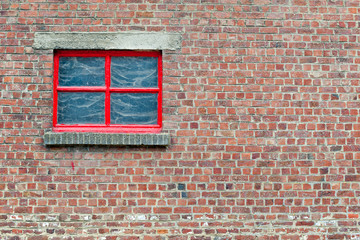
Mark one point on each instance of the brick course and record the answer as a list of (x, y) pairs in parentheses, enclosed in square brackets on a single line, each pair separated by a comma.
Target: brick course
[(261, 102)]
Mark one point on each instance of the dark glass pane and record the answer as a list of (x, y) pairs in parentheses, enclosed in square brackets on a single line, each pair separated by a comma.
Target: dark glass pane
[(134, 108), (134, 72), (81, 107), (80, 71)]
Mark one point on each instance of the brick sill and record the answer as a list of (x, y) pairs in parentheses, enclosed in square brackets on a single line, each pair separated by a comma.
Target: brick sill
[(106, 139)]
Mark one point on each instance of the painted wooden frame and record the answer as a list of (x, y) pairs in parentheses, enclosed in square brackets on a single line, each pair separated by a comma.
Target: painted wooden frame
[(107, 89)]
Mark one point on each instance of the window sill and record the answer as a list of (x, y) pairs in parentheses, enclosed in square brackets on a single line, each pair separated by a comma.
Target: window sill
[(106, 139)]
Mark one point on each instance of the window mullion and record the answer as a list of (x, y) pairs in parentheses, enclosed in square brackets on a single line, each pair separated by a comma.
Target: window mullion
[(107, 92)]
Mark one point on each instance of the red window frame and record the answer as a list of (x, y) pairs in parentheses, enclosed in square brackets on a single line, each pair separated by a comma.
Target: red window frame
[(107, 89)]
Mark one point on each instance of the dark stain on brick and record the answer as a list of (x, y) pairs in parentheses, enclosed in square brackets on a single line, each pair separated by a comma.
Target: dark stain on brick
[(335, 96), (324, 170), (181, 186), (335, 148), (184, 195), (310, 156), (171, 186)]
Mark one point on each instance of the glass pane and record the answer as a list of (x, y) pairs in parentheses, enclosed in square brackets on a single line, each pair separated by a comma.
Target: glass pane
[(80, 71), (134, 108), (134, 72), (81, 107)]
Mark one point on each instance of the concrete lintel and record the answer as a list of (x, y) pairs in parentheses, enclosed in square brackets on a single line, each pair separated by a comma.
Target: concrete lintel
[(106, 139), (108, 41)]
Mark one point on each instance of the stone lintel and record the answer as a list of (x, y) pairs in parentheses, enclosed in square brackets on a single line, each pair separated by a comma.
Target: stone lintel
[(108, 41)]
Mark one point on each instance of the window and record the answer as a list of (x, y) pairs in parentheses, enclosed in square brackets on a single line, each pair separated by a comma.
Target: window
[(107, 91)]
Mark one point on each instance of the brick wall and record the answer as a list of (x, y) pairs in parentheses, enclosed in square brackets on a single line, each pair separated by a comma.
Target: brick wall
[(261, 103)]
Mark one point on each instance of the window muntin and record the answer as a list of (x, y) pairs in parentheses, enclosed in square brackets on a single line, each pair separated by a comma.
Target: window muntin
[(107, 91)]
